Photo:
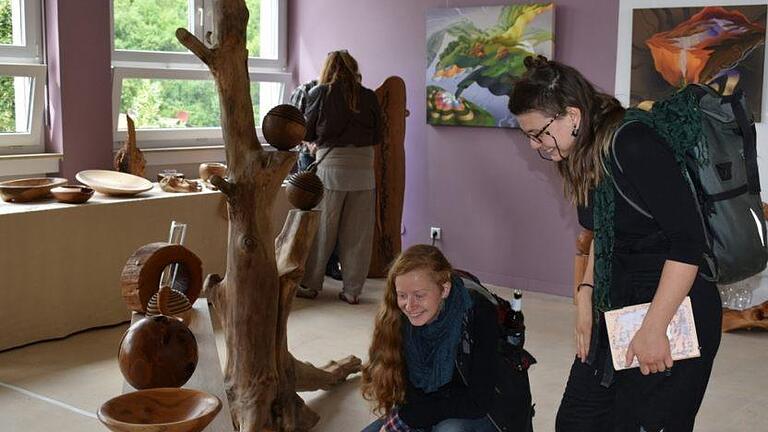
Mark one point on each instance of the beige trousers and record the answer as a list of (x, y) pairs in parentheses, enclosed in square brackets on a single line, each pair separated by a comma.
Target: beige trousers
[(346, 216)]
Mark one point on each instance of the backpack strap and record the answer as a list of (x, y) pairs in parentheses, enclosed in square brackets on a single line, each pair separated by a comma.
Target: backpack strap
[(750, 142), (615, 160)]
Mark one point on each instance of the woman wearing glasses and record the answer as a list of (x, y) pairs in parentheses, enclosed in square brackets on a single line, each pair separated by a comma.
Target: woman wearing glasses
[(634, 259), (343, 119)]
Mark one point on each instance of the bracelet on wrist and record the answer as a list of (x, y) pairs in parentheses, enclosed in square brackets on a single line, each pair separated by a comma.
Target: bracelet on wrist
[(578, 288)]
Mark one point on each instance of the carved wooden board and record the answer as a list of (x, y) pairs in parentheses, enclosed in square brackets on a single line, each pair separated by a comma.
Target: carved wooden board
[(390, 176)]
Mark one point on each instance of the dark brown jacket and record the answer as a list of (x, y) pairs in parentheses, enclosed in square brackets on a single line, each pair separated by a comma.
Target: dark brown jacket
[(330, 122)]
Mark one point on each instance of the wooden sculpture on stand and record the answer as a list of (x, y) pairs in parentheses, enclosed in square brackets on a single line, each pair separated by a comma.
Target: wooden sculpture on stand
[(129, 158), (261, 377), (390, 176)]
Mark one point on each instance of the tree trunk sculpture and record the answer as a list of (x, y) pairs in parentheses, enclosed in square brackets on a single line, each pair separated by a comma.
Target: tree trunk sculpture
[(258, 370)]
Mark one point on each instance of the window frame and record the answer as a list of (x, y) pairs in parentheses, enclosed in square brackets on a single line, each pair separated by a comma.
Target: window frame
[(32, 23), (128, 64), (26, 61), (179, 137)]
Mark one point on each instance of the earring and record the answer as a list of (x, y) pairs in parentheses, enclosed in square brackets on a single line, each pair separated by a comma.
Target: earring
[(575, 131)]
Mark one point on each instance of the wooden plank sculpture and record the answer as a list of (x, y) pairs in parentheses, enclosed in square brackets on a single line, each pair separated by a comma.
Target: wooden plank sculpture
[(248, 297), (390, 176), (129, 158)]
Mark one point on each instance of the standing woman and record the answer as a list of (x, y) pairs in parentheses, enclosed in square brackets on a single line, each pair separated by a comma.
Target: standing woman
[(633, 259), (343, 119)]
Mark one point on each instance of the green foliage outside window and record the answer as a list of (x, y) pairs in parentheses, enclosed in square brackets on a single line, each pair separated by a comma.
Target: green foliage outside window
[(150, 25), (7, 123)]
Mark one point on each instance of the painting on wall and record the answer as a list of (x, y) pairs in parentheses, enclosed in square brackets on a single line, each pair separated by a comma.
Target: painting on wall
[(474, 54), (722, 45)]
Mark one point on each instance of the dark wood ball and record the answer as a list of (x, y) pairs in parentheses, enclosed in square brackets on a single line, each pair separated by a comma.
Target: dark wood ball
[(284, 127), (157, 351), (305, 190)]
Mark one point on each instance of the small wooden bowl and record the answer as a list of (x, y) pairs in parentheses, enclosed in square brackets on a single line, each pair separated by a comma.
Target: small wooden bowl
[(209, 169), (31, 189), (72, 194), (160, 410)]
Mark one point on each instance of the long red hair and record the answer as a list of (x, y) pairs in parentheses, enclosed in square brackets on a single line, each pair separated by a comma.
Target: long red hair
[(384, 374)]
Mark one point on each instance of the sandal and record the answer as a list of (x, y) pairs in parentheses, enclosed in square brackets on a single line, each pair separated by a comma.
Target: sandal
[(353, 300), (307, 293)]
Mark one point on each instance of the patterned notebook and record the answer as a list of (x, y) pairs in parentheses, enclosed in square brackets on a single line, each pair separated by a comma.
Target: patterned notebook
[(623, 323)]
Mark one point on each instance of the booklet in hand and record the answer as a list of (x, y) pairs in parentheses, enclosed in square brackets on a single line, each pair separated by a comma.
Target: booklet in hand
[(622, 324)]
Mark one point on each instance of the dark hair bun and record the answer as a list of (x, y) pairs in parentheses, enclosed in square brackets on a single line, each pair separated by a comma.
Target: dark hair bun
[(536, 62)]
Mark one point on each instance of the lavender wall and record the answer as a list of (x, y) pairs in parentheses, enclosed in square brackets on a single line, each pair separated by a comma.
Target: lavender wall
[(79, 84), (499, 205)]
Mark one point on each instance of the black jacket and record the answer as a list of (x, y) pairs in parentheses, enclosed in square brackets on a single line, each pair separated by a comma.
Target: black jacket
[(330, 122), (482, 384)]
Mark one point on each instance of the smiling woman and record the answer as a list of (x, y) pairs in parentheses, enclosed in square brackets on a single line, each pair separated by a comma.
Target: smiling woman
[(434, 362)]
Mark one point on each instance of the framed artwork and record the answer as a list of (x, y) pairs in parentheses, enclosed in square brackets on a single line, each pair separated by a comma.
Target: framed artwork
[(665, 45), (474, 54)]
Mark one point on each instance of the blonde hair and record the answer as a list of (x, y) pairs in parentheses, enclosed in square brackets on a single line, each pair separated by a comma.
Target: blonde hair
[(340, 69), (384, 374)]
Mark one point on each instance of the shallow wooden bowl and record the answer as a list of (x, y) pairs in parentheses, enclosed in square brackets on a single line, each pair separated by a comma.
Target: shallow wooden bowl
[(72, 194), (162, 409), (114, 182), (30, 189)]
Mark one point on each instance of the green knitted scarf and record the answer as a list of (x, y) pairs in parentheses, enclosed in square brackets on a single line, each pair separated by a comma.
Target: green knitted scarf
[(677, 120)]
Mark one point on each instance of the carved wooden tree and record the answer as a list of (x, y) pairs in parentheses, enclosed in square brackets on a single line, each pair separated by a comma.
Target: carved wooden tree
[(253, 302)]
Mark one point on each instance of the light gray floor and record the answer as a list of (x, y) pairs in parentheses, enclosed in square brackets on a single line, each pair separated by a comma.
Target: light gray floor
[(81, 371)]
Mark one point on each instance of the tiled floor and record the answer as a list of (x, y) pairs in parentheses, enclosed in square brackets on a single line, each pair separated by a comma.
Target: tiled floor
[(81, 371)]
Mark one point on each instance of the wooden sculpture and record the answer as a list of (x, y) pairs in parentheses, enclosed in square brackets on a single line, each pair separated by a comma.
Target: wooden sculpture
[(179, 184), (284, 127), (390, 176), (305, 190), (158, 350), (129, 158), (248, 298), (140, 278)]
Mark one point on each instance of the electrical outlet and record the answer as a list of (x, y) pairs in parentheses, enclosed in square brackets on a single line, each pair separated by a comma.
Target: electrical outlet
[(435, 233)]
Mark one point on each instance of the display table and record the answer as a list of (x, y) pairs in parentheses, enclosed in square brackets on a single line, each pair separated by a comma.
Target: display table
[(60, 264), (208, 375)]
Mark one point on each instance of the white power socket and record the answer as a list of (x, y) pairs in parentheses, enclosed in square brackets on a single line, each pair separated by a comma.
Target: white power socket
[(435, 233)]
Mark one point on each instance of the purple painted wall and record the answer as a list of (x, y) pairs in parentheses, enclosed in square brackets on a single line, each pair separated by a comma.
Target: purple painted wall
[(500, 206), (79, 84)]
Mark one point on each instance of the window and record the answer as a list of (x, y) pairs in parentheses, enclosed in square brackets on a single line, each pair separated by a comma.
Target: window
[(166, 90), (22, 77)]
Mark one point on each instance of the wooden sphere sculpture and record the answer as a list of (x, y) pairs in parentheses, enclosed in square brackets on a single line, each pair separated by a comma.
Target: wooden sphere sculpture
[(158, 350), (284, 127), (305, 190)]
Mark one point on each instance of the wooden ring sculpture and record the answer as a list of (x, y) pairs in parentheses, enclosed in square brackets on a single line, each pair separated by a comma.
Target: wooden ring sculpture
[(141, 275)]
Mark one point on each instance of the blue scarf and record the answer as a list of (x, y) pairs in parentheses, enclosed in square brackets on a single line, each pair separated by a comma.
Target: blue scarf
[(430, 350)]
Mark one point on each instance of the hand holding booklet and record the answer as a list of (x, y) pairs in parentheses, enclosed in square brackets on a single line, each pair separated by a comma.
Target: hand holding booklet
[(622, 324)]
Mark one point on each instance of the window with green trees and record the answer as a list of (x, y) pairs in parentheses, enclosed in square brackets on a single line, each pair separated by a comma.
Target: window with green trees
[(7, 108), (149, 26)]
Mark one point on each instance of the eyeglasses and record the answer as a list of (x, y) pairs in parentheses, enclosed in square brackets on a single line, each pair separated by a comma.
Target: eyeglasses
[(537, 136)]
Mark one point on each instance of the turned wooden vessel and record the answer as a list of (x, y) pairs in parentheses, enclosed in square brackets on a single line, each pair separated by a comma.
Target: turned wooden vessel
[(305, 190), (31, 189), (178, 306), (158, 350), (210, 169), (72, 194), (284, 127), (160, 410)]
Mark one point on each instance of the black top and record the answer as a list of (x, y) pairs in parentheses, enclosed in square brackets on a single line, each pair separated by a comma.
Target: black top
[(330, 121), (651, 177), (455, 399)]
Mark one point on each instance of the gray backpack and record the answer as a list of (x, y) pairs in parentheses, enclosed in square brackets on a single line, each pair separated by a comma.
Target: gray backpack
[(726, 186)]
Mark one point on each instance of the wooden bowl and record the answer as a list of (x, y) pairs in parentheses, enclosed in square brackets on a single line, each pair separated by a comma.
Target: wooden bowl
[(114, 182), (30, 189), (160, 410), (284, 127), (210, 169), (72, 194)]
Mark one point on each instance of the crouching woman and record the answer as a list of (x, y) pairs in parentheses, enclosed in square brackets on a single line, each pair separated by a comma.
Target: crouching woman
[(433, 362)]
